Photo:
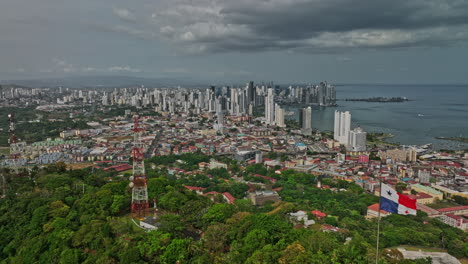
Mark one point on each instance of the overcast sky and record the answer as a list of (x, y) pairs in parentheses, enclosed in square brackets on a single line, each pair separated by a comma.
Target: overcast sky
[(360, 41)]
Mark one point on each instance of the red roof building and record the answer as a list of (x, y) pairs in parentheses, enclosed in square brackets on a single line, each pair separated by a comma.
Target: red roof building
[(373, 211), (265, 177), (319, 214), (458, 210), (193, 188), (119, 168), (230, 199), (227, 196)]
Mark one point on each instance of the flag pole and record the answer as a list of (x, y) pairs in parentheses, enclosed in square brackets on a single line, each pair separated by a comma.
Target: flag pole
[(378, 225)]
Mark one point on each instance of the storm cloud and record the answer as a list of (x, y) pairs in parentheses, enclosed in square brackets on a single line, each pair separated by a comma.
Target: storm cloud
[(296, 40), (311, 25)]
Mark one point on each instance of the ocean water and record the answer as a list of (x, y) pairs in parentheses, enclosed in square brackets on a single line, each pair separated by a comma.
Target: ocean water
[(434, 110)]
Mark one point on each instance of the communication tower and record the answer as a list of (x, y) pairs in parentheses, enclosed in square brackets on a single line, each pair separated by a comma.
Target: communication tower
[(140, 203), (14, 154)]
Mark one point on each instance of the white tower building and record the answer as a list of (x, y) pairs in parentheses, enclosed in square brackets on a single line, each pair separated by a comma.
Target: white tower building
[(342, 127), (270, 107), (305, 120), (279, 116), (357, 140)]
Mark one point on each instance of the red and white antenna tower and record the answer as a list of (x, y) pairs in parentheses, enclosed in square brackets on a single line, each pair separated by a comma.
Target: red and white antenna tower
[(12, 141), (140, 203)]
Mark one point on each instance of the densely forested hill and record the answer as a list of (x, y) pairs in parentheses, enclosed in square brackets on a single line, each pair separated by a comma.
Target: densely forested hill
[(54, 215)]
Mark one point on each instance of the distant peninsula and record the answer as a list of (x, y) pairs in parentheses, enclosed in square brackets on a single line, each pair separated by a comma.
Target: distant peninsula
[(378, 99), (459, 139)]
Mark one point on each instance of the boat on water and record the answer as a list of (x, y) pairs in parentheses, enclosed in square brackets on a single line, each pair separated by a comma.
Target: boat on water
[(420, 115)]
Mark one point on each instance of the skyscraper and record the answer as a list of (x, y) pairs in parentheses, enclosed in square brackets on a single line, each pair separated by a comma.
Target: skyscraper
[(279, 116), (270, 107), (342, 127), (357, 140), (305, 119), (250, 93)]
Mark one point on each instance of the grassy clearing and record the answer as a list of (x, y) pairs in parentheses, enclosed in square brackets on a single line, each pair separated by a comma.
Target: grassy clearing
[(4, 151), (76, 166), (424, 249)]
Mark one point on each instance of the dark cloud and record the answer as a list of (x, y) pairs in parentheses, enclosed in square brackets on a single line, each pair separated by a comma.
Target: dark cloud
[(313, 25)]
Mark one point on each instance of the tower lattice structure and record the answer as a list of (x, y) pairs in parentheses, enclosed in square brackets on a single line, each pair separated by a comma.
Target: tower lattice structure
[(140, 202), (14, 154)]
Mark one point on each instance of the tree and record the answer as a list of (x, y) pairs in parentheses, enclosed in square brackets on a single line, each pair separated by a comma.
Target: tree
[(119, 203), (172, 224), (457, 248), (256, 169), (294, 254), (254, 240), (244, 205), (400, 187), (284, 157), (215, 237), (59, 167), (218, 213), (173, 200), (266, 255), (53, 221), (331, 221), (460, 200), (129, 255), (192, 212), (153, 244), (70, 256), (219, 173), (58, 209), (272, 155), (176, 251)]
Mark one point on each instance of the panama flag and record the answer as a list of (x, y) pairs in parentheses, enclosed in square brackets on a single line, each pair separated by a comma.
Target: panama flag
[(396, 203)]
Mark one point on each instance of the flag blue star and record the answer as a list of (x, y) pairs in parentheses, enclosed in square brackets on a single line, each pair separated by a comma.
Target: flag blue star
[(389, 193)]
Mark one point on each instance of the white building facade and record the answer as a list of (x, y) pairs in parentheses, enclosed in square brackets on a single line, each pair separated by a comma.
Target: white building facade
[(342, 127), (357, 140)]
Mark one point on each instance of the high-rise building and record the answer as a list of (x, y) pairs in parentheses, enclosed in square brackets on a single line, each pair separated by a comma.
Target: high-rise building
[(233, 101), (342, 127), (424, 176), (220, 113), (211, 99), (105, 99), (331, 95), (250, 93), (258, 157), (270, 107), (357, 140), (279, 116), (412, 155), (305, 118)]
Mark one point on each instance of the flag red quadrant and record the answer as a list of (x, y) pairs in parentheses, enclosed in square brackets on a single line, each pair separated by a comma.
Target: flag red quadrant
[(406, 201)]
